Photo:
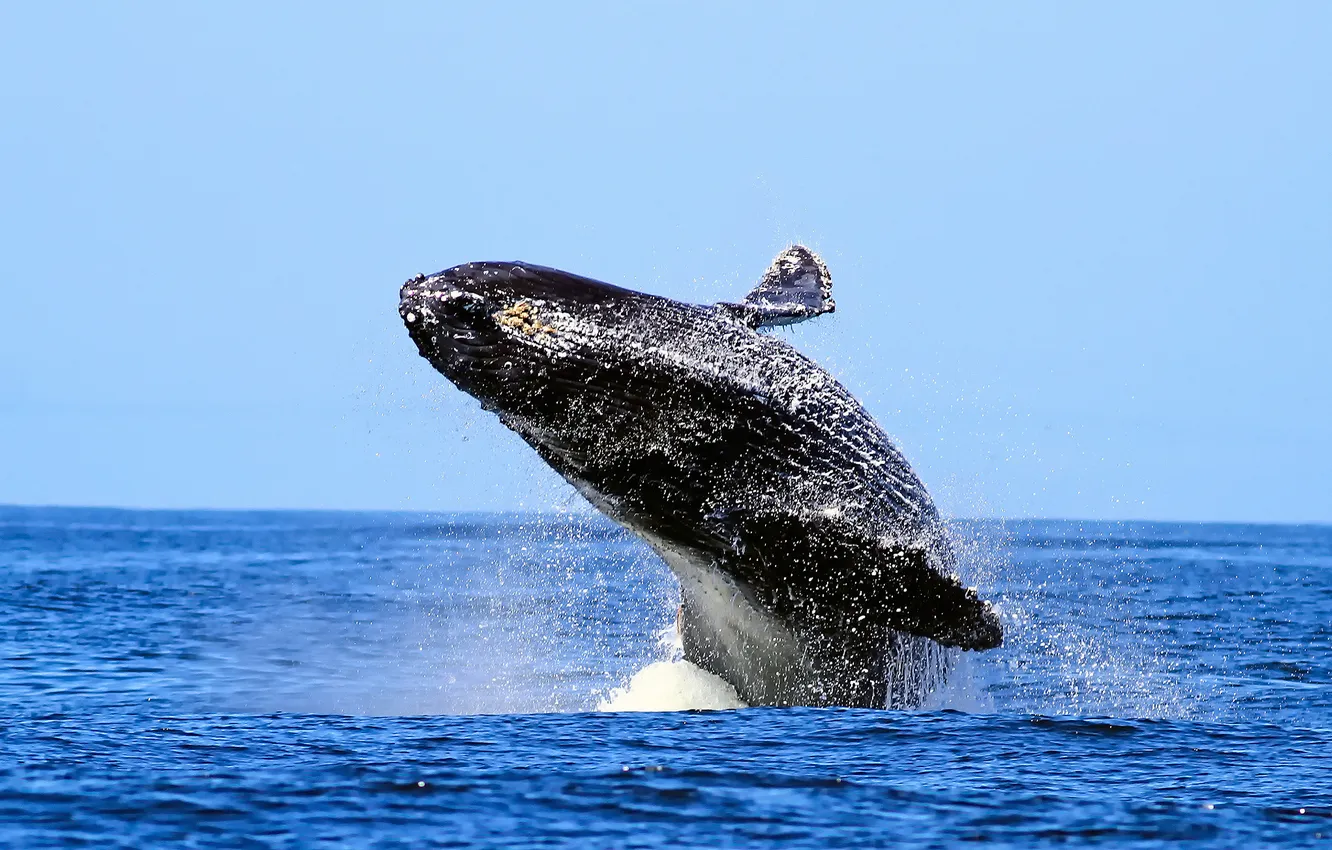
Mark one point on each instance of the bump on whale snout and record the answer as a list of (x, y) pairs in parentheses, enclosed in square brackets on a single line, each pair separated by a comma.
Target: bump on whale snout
[(452, 325)]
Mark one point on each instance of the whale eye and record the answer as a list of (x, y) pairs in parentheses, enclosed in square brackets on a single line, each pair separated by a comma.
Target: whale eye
[(472, 309)]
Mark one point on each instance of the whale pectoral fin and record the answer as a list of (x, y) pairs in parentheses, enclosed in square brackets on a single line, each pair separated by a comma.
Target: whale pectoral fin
[(795, 287), (941, 608), (825, 575)]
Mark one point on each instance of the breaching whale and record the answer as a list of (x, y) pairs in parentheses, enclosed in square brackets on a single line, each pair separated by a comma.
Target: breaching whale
[(809, 553)]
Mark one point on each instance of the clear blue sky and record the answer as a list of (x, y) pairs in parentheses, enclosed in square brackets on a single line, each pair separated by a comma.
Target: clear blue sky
[(1082, 252)]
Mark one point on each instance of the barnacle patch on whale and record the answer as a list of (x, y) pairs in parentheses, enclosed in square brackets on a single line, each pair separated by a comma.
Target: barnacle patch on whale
[(521, 317)]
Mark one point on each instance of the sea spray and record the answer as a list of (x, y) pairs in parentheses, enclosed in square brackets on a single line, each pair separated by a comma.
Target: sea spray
[(672, 686)]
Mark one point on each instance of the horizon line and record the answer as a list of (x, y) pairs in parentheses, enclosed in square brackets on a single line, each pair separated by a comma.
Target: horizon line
[(596, 515)]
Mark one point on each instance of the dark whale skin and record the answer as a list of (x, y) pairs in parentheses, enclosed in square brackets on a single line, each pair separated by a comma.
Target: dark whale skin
[(807, 548)]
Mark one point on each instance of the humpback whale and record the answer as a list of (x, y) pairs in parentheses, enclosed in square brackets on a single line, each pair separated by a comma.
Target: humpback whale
[(809, 554)]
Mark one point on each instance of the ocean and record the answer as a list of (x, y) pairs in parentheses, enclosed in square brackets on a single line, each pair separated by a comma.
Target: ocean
[(287, 679)]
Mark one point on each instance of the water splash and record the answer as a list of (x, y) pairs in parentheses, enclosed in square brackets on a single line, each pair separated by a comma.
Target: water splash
[(673, 686)]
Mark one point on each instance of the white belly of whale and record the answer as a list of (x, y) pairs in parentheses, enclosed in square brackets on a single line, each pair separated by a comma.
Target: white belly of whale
[(754, 651)]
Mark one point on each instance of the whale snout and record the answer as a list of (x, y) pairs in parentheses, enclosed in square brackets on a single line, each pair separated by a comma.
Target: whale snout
[(426, 306), (453, 325)]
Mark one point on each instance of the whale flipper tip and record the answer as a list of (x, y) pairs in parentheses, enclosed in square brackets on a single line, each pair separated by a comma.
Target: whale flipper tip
[(795, 287)]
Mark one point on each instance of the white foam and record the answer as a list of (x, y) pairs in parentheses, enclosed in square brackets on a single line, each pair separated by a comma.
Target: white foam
[(673, 686)]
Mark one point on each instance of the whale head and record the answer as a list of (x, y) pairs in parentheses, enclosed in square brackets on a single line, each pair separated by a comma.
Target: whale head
[(506, 332), (524, 340)]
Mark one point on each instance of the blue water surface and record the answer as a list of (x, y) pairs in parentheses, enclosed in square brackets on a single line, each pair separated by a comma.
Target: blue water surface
[(279, 679)]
